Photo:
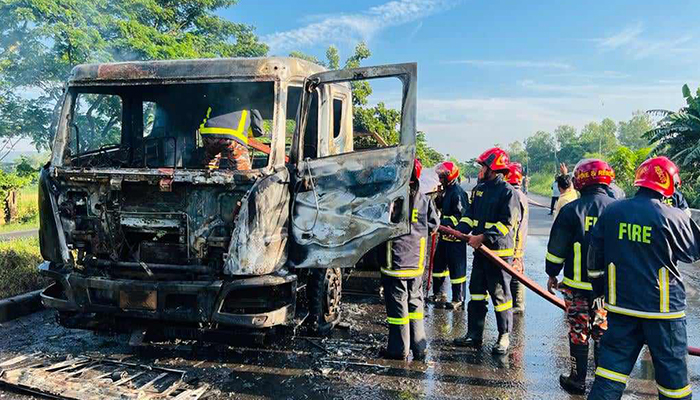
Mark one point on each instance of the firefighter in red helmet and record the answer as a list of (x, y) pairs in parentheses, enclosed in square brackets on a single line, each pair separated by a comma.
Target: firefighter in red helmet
[(568, 243), (451, 253), (492, 221), (633, 260), (517, 289), (402, 278)]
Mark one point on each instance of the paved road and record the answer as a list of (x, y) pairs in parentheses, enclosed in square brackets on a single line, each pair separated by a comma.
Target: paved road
[(345, 367), (18, 234)]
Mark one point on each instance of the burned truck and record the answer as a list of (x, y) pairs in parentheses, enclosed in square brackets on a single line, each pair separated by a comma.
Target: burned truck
[(139, 233)]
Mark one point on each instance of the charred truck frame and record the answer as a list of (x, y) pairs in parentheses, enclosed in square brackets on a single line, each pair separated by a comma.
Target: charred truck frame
[(137, 234)]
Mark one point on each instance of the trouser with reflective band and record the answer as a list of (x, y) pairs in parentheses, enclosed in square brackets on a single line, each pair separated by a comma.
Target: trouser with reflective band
[(585, 319), (620, 347), (517, 289), (404, 309), (225, 153), (488, 280), (450, 261)]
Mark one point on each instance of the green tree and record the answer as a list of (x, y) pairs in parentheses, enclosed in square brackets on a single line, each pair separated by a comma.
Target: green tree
[(571, 149), (517, 152), (428, 155), (540, 149), (624, 161), (42, 40), (677, 135), (631, 133), (599, 138), (307, 57)]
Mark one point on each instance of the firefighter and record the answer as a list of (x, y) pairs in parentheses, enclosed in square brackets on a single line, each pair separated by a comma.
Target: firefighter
[(517, 289), (402, 279), (491, 220), (678, 200), (451, 253), (633, 259), (225, 138), (568, 244)]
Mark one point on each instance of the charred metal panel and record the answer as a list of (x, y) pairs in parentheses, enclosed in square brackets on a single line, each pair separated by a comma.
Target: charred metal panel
[(282, 68), (356, 195), (259, 239), (345, 205)]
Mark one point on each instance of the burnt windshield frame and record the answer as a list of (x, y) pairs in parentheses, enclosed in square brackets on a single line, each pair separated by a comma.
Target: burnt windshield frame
[(137, 91)]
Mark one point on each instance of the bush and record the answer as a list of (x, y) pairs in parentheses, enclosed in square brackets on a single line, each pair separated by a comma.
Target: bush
[(541, 183), (18, 267)]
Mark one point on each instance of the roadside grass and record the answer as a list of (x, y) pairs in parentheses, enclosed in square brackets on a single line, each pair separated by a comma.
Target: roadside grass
[(18, 267), (27, 210), (541, 183)]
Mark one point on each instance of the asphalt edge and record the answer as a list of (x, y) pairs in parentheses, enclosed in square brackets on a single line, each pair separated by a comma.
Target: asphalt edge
[(18, 306)]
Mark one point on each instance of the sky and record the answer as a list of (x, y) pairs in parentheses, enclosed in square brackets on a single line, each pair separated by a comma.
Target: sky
[(496, 72)]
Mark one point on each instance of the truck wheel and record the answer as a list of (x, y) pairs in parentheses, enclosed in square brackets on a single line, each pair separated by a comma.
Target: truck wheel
[(323, 290)]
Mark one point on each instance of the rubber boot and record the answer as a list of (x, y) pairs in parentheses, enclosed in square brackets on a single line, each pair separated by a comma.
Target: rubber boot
[(575, 382), (502, 344), (476, 319), (518, 291)]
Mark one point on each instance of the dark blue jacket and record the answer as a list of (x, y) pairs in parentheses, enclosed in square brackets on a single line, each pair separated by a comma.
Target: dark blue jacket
[(569, 237), (635, 249), (495, 212), (406, 255), (453, 205)]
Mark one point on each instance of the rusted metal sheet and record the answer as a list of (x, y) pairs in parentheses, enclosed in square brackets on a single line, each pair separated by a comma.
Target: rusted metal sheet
[(89, 378)]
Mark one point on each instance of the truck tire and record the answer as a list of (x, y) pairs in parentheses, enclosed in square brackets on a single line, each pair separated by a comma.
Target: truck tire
[(324, 291)]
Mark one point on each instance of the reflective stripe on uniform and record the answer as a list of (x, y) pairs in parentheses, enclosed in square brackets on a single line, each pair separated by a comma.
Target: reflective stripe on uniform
[(452, 219), (441, 274), (675, 394), (415, 315), (456, 281), (552, 258), (595, 274), (406, 273), (577, 261), (469, 221), (504, 252), (238, 133), (499, 225), (612, 375), (664, 302), (612, 296), (644, 314), (397, 321), (480, 297), (577, 284), (505, 306)]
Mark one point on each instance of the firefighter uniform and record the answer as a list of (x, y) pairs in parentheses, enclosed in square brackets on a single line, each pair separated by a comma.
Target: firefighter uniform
[(517, 289), (635, 247), (493, 212), (678, 200), (567, 248), (225, 138), (451, 254), (402, 280)]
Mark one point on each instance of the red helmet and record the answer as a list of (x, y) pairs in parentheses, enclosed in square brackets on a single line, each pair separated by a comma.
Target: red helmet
[(659, 174), (495, 158), (592, 171), (515, 174), (417, 168), (447, 170)]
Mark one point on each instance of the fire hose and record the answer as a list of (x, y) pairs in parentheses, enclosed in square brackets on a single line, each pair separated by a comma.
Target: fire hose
[(529, 283)]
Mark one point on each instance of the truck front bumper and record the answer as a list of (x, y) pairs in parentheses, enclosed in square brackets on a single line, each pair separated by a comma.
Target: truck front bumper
[(255, 302)]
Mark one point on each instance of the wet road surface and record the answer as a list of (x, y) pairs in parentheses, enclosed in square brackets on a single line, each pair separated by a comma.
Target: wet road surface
[(345, 366)]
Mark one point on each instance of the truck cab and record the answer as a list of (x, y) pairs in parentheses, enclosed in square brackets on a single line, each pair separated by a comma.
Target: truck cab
[(138, 232)]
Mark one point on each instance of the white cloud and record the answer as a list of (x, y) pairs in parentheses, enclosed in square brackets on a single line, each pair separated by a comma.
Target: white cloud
[(513, 64), (464, 127), (349, 28), (631, 42)]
